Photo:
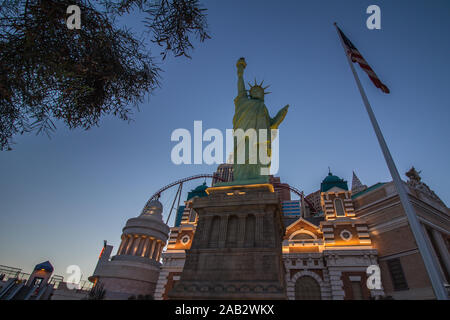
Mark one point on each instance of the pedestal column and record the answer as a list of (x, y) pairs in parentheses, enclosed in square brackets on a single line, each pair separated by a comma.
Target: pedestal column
[(239, 271)]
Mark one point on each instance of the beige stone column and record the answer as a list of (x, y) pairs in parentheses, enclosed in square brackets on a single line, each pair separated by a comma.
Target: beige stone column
[(122, 244), (139, 244), (433, 252), (160, 251), (442, 248), (129, 244), (136, 245), (152, 249), (158, 247), (143, 246), (146, 246)]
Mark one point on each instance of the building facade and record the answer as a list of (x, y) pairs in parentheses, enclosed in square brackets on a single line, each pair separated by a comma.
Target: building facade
[(327, 255), (334, 253), (402, 268)]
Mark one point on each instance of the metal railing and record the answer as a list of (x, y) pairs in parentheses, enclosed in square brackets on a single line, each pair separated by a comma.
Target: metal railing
[(7, 273)]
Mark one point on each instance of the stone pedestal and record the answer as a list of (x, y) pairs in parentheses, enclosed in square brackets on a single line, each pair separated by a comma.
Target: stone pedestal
[(236, 250)]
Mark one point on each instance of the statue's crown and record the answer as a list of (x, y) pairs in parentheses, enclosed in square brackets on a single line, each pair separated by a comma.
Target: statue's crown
[(258, 87)]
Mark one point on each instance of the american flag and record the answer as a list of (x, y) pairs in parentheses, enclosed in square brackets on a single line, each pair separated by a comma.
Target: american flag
[(357, 57)]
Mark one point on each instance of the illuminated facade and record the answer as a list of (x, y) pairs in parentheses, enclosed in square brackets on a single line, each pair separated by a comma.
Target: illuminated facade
[(326, 255)]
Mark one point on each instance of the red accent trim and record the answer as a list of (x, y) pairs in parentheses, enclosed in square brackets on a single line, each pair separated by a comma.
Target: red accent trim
[(101, 253)]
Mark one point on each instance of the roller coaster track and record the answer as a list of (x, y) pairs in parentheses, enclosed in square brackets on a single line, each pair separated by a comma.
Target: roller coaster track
[(300, 194), (157, 194)]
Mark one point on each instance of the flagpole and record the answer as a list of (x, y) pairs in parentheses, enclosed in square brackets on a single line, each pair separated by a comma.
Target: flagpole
[(429, 261)]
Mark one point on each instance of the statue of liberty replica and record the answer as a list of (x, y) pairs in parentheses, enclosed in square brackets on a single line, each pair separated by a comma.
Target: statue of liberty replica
[(254, 132), (236, 252)]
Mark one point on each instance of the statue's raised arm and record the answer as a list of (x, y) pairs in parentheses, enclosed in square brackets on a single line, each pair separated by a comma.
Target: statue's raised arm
[(241, 64)]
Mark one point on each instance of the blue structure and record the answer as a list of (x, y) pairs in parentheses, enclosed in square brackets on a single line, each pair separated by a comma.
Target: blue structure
[(179, 215), (291, 208), (200, 191)]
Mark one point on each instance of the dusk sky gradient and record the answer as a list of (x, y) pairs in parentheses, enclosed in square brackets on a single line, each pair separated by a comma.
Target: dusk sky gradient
[(61, 197)]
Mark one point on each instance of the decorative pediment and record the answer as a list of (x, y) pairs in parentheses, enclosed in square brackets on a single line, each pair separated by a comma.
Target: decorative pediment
[(424, 189), (336, 189), (415, 183), (302, 226)]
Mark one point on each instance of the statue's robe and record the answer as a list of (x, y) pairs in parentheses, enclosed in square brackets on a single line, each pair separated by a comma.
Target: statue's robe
[(250, 114)]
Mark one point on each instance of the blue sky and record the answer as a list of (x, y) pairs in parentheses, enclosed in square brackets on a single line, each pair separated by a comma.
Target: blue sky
[(61, 197)]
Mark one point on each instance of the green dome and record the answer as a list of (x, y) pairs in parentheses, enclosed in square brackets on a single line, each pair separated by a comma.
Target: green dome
[(330, 178), (200, 191), (333, 181)]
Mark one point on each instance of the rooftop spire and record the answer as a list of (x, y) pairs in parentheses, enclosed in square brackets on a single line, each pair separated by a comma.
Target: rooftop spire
[(357, 186)]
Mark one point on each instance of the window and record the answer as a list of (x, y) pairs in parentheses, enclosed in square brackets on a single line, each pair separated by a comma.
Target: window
[(339, 207), (185, 239), (346, 235), (357, 290), (302, 236), (37, 281), (307, 288), (397, 275)]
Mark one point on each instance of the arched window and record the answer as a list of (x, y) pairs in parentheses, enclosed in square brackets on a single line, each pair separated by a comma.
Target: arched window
[(339, 207), (302, 236), (214, 232), (250, 223), (232, 232), (307, 288)]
